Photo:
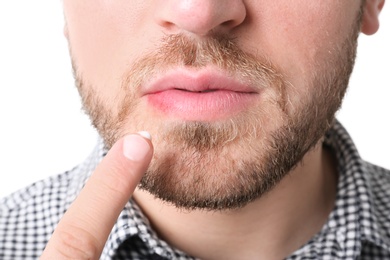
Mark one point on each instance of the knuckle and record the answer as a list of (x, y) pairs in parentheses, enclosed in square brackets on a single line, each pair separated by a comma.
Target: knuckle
[(76, 243)]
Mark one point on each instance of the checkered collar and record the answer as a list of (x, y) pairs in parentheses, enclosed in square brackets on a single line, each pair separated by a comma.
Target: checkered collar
[(355, 220)]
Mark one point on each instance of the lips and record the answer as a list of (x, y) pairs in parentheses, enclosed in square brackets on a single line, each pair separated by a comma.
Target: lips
[(205, 80), (204, 95)]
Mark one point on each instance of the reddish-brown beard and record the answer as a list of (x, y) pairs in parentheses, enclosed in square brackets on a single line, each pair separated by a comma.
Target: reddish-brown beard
[(228, 163)]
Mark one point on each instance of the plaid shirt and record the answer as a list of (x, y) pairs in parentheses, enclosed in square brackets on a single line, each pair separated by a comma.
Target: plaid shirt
[(357, 228)]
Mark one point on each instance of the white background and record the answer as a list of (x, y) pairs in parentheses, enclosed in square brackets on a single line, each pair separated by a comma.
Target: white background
[(43, 130)]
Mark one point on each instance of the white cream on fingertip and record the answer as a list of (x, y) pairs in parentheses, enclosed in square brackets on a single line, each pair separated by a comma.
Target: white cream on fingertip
[(145, 134)]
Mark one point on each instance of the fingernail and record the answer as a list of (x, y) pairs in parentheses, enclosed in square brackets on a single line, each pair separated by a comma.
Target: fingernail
[(135, 147)]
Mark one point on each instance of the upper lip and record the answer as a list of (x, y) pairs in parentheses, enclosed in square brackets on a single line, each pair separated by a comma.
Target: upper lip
[(196, 81)]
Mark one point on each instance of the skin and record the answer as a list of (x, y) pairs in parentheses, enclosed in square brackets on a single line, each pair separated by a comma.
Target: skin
[(293, 34)]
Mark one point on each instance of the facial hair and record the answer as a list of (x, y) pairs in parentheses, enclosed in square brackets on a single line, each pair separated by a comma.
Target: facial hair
[(224, 164)]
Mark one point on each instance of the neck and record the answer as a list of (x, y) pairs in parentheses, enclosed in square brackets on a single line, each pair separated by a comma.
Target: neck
[(272, 227)]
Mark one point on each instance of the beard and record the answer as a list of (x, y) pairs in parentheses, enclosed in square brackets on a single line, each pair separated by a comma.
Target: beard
[(227, 163)]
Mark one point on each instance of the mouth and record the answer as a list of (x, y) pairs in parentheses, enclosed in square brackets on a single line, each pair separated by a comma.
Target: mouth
[(202, 91), (205, 95)]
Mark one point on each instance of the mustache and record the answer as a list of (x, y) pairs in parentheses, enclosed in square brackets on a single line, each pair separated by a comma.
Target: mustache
[(180, 50)]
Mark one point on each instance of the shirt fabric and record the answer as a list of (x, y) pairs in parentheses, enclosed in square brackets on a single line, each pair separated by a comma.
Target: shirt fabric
[(357, 228)]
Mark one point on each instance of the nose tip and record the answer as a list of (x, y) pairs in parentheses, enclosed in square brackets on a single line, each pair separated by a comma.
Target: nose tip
[(200, 17)]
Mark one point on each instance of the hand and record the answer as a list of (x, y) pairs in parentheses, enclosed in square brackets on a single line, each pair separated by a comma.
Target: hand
[(85, 227)]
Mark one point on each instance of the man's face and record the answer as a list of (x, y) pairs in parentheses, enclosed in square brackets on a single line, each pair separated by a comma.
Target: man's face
[(233, 92)]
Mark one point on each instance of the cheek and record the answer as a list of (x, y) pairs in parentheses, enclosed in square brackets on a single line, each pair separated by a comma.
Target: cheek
[(303, 39), (104, 37), (308, 39)]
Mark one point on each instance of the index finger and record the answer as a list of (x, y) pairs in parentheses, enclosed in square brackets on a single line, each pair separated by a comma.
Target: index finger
[(84, 229)]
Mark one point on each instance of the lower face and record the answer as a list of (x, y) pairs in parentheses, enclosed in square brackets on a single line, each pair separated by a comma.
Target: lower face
[(218, 150)]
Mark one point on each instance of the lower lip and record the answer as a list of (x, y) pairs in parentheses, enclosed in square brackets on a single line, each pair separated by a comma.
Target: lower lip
[(204, 106)]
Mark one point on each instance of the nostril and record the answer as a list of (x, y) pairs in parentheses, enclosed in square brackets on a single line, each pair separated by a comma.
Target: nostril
[(229, 23), (168, 25)]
